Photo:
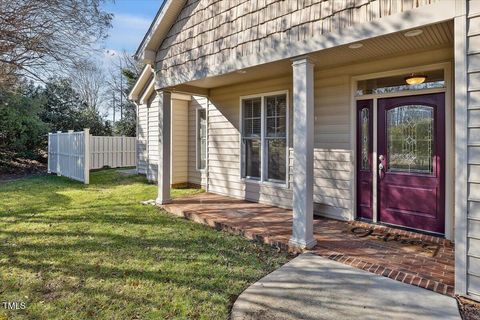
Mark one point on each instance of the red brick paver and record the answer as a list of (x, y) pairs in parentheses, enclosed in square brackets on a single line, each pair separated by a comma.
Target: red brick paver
[(409, 257)]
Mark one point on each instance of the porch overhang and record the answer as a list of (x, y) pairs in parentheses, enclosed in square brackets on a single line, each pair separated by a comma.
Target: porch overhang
[(435, 38), (420, 17), (145, 87)]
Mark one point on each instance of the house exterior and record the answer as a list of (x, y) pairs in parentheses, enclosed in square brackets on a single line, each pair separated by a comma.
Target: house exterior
[(188, 116), (350, 109)]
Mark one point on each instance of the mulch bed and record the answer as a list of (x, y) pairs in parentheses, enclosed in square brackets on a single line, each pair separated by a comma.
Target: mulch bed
[(469, 309)]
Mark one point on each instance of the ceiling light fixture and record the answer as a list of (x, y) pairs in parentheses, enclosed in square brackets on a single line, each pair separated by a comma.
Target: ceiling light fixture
[(415, 79), (413, 33), (355, 45)]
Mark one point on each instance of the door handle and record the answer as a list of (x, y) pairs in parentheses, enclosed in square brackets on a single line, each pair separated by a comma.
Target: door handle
[(380, 170), (380, 165)]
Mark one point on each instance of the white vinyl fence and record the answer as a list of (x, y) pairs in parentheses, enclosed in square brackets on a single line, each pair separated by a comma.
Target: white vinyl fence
[(68, 155), (74, 154), (114, 152)]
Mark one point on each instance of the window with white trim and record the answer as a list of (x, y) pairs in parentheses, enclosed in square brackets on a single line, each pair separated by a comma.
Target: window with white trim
[(276, 137), (252, 133), (201, 139), (264, 136)]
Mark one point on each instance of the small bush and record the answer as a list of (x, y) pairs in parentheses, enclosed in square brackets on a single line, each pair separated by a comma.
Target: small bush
[(21, 129)]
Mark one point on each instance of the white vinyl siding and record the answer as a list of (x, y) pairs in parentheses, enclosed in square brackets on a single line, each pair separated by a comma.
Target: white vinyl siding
[(148, 140), (333, 175), (473, 141), (142, 138), (152, 146), (179, 145)]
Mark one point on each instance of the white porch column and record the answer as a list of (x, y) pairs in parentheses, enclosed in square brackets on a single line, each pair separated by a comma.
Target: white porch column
[(303, 125), (164, 141)]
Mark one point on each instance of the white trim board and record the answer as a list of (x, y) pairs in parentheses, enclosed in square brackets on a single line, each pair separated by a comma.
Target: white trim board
[(197, 111)]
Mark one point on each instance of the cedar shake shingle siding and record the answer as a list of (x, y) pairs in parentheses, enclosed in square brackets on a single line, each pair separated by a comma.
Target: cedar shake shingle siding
[(208, 33)]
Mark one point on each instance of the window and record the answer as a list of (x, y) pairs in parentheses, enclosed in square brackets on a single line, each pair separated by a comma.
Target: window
[(365, 136), (201, 138), (276, 137), (410, 139), (434, 79), (264, 137), (252, 123)]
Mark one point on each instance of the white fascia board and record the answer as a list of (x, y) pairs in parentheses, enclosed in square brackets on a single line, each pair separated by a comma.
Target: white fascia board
[(148, 92), (139, 85)]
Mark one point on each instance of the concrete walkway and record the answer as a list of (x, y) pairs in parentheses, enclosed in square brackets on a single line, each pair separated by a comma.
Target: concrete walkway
[(312, 287)]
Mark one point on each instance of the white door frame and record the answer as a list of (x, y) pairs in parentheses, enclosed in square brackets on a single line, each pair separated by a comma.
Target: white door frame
[(449, 135)]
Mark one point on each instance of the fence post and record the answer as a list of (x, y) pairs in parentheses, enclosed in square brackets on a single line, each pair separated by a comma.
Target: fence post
[(58, 153), (123, 151), (86, 162), (71, 153), (49, 146), (136, 154)]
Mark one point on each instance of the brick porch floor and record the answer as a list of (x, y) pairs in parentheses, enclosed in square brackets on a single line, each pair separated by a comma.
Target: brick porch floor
[(412, 258)]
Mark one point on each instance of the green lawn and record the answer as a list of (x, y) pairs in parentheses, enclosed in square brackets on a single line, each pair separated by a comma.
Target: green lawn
[(71, 251)]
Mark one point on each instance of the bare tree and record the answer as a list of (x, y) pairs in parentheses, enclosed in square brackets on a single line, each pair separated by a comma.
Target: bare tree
[(88, 80), (41, 37), (123, 69)]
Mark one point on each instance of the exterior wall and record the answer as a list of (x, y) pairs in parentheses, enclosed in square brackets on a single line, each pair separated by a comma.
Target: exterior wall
[(152, 145), (197, 177), (473, 152), (333, 174), (333, 155), (142, 138), (148, 140), (224, 143), (210, 33), (179, 146)]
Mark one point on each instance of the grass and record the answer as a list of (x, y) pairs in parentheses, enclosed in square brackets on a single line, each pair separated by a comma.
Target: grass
[(70, 251)]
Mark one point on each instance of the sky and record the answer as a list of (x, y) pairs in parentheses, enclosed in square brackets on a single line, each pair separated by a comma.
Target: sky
[(131, 20)]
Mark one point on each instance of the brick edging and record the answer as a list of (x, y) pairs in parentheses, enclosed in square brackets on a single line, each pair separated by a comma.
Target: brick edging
[(401, 276), (377, 269)]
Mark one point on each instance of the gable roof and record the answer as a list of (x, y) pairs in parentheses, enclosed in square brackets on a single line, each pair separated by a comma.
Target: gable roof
[(165, 18)]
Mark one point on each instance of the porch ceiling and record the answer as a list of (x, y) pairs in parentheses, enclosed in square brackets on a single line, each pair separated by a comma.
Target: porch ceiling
[(433, 37)]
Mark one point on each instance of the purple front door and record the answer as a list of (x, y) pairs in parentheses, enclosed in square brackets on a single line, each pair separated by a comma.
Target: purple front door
[(411, 161)]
